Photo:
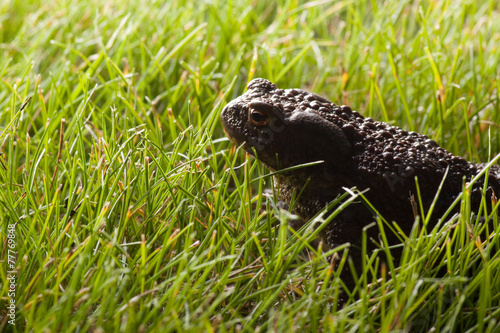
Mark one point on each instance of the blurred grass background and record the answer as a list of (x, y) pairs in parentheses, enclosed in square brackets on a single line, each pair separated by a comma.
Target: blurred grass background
[(133, 212)]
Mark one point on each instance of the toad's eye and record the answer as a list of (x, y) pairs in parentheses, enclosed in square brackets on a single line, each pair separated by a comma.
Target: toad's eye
[(258, 118)]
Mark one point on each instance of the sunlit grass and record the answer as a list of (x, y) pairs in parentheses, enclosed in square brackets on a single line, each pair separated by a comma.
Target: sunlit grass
[(133, 212)]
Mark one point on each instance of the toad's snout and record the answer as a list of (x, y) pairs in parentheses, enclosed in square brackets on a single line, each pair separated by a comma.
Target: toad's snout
[(232, 122)]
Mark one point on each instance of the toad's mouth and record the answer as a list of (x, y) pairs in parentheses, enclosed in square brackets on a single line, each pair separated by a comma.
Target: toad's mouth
[(235, 138), (228, 134), (240, 144)]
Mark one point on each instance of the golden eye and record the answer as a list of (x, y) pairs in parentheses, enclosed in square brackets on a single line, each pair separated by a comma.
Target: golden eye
[(258, 118)]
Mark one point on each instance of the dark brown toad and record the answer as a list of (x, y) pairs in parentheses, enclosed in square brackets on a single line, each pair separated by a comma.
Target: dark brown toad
[(291, 127)]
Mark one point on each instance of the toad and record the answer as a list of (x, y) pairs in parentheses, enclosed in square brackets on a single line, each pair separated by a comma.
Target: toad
[(286, 128)]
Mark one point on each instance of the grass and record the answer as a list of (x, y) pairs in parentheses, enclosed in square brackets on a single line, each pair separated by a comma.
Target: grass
[(133, 212)]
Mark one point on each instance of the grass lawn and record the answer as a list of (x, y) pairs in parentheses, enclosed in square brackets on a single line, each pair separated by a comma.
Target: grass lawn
[(123, 206)]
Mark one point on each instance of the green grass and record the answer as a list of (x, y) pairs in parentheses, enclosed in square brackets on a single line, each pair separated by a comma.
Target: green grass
[(132, 210)]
